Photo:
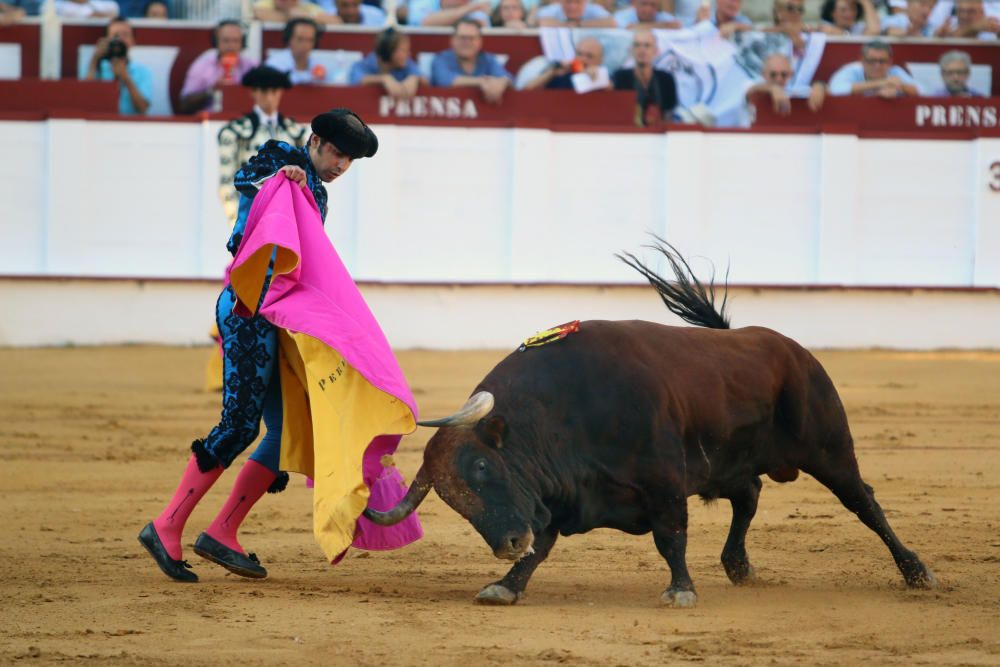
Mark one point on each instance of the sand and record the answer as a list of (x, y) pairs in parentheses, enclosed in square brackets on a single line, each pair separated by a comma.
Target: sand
[(92, 442)]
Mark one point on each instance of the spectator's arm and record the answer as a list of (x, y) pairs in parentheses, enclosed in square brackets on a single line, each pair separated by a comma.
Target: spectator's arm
[(193, 102), (9, 14), (873, 24), (270, 15), (841, 83), (410, 84), (817, 95), (448, 17), (543, 79), (606, 22), (656, 25), (95, 58), (727, 30), (862, 87), (138, 91)]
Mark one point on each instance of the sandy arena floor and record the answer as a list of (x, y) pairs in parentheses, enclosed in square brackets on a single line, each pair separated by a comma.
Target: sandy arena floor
[(92, 442)]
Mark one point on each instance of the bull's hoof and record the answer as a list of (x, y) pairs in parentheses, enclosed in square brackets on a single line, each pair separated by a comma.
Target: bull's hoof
[(921, 577), (497, 595), (678, 599), (741, 574)]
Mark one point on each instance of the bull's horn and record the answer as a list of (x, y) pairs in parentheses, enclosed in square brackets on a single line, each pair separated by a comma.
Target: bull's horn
[(477, 407), (414, 496)]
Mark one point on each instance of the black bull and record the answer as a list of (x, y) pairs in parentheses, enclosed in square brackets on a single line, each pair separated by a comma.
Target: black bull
[(615, 426)]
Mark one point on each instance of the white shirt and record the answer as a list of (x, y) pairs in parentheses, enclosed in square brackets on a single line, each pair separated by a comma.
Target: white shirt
[(269, 122), (283, 61), (77, 10)]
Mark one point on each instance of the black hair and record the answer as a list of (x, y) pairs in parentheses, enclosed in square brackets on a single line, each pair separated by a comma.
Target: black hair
[(222, 24), (826, 13), (286, 34), (465, 20), (386, 43)]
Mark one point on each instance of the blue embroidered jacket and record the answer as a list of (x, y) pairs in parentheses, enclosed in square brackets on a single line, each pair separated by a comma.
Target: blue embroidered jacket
[(271, 157)]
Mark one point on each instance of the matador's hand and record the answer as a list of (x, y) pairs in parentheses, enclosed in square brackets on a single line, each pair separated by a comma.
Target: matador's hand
[(296, 174)]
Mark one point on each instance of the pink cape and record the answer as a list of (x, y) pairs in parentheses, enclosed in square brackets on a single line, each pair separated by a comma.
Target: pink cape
[(319, 298)]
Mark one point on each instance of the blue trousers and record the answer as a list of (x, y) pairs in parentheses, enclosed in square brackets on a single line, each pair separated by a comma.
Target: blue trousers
[(251, 388)]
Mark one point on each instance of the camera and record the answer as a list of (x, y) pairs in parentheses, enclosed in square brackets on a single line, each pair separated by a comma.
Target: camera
[(116, 49)]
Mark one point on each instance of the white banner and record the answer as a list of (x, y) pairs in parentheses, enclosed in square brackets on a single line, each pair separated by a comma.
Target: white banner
[(712, 73)]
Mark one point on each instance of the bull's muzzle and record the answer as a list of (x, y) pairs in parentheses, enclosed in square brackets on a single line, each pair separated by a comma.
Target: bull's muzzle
[(515, 546)]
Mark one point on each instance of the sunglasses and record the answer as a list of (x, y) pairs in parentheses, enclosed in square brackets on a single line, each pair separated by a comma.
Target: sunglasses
[(795, 9), (954, 72), (877, 61)]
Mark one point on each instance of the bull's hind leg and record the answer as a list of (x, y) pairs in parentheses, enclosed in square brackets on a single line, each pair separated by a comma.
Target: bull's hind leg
[(860, 499), (670, 536), (734, 554), (509, 589)]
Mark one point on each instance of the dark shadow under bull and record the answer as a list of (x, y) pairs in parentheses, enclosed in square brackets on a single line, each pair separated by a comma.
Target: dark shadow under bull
[(616, 425)]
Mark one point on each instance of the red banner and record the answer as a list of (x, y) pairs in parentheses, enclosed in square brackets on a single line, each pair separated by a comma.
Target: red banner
[(947, 117), (53, 97), (451, 106)]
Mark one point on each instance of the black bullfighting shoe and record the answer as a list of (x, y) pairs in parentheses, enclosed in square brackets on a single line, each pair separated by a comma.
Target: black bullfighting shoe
[(178, 570), (211, 549)]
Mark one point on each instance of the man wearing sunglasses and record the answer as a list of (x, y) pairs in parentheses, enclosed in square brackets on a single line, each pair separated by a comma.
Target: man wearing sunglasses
[(956, 66), (777, 83), (874, 75)]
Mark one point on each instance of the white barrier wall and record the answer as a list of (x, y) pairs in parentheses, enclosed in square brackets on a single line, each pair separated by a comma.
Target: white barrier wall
[(463, 205)]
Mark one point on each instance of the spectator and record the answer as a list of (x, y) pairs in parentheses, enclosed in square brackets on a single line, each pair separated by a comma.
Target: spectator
[(353, 12), (727, 17), (645, 14), (656, 90), (466, 64), (156, 9), (223, 63), (787, 15), (777, 84), (110, 62), (239, 139), (283, 11), (301, 36), (686, 11), (911, 24), (87, 9), (841, 17), (956, 66), (448, 12), (389, 66), (509, 14), (136, 9), (874, 75), (585, 73), (575, 13), (10, 14), (970, 21)]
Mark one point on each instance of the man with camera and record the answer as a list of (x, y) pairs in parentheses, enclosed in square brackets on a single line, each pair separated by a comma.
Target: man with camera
[(110, 62)]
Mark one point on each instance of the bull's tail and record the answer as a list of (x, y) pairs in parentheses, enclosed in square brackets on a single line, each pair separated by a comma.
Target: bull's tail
[(685, 295)]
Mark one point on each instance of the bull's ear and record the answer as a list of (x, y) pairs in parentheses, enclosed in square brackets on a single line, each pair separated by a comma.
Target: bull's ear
[(492, 431)]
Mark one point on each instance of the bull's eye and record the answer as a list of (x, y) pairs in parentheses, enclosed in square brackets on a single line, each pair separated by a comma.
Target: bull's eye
[(479, 469)]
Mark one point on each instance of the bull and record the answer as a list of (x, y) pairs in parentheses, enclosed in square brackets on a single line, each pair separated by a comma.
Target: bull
[(617, 425)]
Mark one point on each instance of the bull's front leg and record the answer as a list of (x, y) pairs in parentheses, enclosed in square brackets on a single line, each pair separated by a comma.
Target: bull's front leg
[(508, 590), (670, 535)]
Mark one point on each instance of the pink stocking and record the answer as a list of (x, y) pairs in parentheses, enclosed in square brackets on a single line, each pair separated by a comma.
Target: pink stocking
[(170, 524), (253, 480)]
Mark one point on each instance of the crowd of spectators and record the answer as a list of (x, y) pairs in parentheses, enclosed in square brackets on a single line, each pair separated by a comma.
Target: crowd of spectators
[(896, 18), (390, 64)]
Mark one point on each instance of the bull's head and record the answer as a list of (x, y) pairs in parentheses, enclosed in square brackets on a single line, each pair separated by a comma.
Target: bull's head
[(464, 463)]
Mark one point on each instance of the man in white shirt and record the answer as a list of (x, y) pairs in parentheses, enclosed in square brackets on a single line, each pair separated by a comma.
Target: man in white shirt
[(301, 36), (87, 9)]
